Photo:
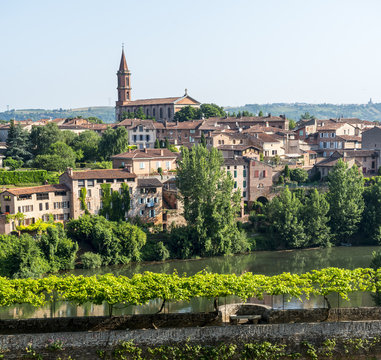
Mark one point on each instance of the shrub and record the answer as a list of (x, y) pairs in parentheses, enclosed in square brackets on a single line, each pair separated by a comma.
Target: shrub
[(91, 260), (22, 177)]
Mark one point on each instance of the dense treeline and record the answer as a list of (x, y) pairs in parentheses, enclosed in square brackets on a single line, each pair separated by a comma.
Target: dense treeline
[(348, 212), (47, 147)]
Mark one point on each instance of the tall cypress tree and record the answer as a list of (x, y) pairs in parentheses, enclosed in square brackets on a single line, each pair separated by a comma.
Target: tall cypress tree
[(346, 202)]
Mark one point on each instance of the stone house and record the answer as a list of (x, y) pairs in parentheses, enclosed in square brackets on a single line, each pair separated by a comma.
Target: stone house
[(185, 133), (141, 133), (37, 202), (146, 161), (371, 140)]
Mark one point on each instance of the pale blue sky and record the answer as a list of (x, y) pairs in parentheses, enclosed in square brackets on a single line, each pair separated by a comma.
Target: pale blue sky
[(66, 53)]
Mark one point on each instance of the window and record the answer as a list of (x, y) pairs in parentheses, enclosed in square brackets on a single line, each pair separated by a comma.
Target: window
[(264, 173), (109, 180), (169, 113), (142, 165), (256, 173), (235, 173), (89, 205), (161, 113), (119, 180), (41, 206), (274, 152), (152, 213), (60, 193), (244, 183), (158, 164), (134, 137), (154, 112), (43, 196), (244, 172), (24, 197), (46, 206), (235, 184), (141, 212), (168, 165), (141, 137), (79, 193), (90, 183), (155, 200), (147, 137), (89, 193), (192, 131), (140, 128), (244, 194), (233, 141), (7, 198), (100, 181), (300, 132), (81, 183), (141, 200), (26, 208)]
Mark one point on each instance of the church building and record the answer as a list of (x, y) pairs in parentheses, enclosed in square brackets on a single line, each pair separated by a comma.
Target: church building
[(162, 109)]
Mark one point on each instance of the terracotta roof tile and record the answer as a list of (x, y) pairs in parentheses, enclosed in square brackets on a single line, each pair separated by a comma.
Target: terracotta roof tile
[(102, 174), (149, 182), (37, 189)]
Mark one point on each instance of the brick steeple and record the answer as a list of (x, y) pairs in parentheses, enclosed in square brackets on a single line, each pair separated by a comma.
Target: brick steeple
[(124, 82)]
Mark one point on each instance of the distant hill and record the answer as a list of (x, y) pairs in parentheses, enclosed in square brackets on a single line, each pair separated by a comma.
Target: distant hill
[(370, 111), (105, 113)]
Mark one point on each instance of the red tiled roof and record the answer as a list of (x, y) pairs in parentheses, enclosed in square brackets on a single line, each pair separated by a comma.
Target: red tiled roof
[(146, 154), (102, 174), (37, 189), (162, 101), (349, 137)]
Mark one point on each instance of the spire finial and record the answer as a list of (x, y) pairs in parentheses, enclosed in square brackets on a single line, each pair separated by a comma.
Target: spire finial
[(186, 92), (122, 46)]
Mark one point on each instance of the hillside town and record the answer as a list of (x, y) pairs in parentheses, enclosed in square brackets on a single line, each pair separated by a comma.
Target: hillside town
[(255, 150)]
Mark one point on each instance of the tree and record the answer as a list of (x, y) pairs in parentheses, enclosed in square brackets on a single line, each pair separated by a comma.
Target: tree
[(284, 215), (210, 202), (87, 142), (298, 175), (291, 124), (286, 172), (345, 200), (157, 144), (211, 110), (371, 218), (203, 140), (187, 113), (260, 114), (167, 144), (18, 144), (315, 219), (140, 113), (42, 137), (306, 116), (59, 157), (12, 163), (94, 120), (113, 142)]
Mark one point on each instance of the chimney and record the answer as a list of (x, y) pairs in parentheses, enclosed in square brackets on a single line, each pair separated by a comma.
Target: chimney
[(161, 152), (69, 171), (146, 150)]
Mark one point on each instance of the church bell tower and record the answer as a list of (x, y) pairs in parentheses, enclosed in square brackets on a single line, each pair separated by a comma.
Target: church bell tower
[(124, 82)]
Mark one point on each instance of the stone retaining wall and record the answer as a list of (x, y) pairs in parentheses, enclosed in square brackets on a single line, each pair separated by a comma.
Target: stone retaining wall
[(84, 345)]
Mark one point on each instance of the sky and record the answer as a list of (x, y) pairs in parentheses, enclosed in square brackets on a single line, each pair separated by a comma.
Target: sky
[(65, 54)]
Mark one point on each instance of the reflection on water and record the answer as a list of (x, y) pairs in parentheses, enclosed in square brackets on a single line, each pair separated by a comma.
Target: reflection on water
[(264, 262)]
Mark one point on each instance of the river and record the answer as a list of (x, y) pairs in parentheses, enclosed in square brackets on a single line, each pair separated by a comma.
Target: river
[(261, 262)]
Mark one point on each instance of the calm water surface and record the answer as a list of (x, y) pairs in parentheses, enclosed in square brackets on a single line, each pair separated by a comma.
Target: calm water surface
[(264, 262)]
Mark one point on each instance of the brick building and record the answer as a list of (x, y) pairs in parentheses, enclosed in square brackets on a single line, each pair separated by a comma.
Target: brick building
[(162, 109)]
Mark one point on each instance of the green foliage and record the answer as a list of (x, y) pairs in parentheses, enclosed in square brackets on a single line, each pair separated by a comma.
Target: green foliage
[(87, 142), (284, 215), (291, 124), (82, 199), (286, 172), (115, 205), (306, 116), (212, 110), (345, 200), (157, 144), (188, 113), (12, 163), (117, 243), (18, 144), (59, 157), (91, 260), (371, 217), (298, 175), (113, 141), (42, 137), (210, 202), (203, 140), (23, 177)]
